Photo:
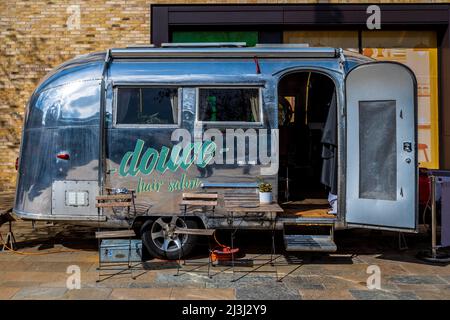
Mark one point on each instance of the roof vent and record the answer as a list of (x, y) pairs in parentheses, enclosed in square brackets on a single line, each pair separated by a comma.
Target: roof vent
[(204, 45)]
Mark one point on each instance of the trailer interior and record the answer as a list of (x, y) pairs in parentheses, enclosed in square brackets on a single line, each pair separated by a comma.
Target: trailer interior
[(304, 100)]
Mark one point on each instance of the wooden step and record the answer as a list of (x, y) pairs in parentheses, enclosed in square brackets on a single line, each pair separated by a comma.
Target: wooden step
[(200, 195), (198, 203), (199, 232), (115, 234), (113, 204), (113, 197)]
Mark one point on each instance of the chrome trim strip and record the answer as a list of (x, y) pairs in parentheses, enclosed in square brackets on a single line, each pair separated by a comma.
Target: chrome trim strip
[(247, 52), (33, 216)]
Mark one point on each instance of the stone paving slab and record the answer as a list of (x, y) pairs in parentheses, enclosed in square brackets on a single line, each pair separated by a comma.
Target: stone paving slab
[(87, 294), (417, 279), (382, 295), (45, 266), (9, 257), (445, 277), (266, 291), (33, 276), (39, 293), (311, 294), (422, 268), (340, 275), (202, 294), (141, 293), (8, 292), (433, 294)]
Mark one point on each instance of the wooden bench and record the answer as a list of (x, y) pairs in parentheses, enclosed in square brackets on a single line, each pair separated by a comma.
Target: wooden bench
[(197, 232), (191, 201), (114, 200), (125, 200), (115, 234)]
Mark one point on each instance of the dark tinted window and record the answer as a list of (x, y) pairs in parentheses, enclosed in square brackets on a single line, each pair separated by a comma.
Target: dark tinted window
[(147, 106), (378, 151), (229, 105)]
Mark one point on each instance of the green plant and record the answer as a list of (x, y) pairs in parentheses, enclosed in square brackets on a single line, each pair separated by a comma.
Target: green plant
[(265, 187)]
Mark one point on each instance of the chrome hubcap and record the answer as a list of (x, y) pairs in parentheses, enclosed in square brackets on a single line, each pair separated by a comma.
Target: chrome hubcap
[(163, 233)]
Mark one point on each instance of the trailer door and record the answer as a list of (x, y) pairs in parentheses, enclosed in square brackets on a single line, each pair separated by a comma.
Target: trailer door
[(381, 178)]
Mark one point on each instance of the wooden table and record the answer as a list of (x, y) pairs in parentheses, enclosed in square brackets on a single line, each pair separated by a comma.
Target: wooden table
[(243, 205), (250, 208), (249, 203)]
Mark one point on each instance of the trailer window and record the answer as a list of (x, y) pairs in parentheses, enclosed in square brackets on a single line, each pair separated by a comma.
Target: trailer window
[(157, 106), (229, 105)]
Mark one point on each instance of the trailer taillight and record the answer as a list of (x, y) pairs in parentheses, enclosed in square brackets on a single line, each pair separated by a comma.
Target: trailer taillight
[(17, 163), (63, 156)]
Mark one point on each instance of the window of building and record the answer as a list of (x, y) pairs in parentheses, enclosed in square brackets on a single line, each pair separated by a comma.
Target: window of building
[(229, 105), (335, 39), (249, 37), (147, 106), (415, 49), (418, 51)]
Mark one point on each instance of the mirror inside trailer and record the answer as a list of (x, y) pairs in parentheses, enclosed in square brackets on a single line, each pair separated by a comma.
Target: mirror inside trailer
[(381, 154)]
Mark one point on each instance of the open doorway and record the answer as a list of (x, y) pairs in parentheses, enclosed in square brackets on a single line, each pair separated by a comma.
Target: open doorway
[(304, 102)]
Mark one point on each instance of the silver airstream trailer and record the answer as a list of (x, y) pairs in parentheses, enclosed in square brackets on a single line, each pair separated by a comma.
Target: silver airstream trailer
[(293, 116)]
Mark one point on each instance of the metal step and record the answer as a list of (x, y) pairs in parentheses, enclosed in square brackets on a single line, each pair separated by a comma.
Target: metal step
[(309, 237), (305, 242)]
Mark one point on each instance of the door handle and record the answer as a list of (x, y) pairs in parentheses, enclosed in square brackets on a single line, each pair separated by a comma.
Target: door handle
[(407, 146)]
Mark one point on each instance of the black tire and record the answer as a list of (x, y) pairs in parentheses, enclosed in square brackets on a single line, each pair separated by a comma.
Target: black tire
[(175, 250)]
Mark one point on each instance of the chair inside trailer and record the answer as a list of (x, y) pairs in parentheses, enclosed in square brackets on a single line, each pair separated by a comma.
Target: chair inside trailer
[(304, 100)]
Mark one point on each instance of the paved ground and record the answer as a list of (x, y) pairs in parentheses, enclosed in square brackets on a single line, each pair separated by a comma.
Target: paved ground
[(42, 274)]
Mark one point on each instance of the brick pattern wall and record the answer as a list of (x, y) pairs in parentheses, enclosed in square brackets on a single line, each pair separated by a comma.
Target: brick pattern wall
[(36, 36)]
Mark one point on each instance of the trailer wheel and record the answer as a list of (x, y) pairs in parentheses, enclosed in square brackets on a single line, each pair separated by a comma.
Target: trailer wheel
[(160, 240)]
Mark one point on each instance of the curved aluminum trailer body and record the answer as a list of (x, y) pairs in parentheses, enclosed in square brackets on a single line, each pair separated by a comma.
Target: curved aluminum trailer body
[(72, 142)]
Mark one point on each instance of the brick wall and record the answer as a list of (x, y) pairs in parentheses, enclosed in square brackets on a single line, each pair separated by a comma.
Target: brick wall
[(35, 36)]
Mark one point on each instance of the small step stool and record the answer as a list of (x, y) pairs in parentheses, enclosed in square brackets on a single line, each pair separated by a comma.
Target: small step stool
[(309, 237)]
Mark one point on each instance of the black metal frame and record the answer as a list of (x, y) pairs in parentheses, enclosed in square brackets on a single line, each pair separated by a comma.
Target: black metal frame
[(101, 264)]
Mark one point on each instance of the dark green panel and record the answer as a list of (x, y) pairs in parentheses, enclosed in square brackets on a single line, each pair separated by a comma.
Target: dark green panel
[(250, 37)]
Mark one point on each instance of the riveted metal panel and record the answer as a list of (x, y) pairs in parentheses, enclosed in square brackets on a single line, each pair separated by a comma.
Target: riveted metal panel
[(61, 191)]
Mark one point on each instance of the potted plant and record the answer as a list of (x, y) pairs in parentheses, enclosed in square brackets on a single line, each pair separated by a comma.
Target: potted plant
[(265, 192)]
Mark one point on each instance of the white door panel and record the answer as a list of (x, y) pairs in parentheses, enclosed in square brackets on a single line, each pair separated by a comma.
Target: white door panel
[(381, 181)]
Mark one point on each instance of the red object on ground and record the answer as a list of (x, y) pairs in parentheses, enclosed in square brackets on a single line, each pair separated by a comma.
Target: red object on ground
[(424, 187), (224, 253)]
